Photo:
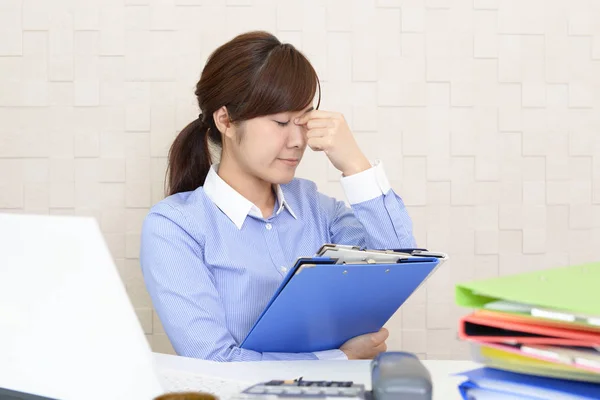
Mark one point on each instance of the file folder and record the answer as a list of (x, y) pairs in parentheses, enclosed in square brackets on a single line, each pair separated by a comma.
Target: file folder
[(581, 362), (582, 358), (486, 326), (484, 383), (322, 304), (495, 357), (564, 294)]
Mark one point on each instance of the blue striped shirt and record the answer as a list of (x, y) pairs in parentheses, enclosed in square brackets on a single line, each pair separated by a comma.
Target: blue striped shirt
[(211, 262)]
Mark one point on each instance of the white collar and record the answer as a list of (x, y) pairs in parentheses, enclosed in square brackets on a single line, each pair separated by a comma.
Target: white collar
[(232, 203)]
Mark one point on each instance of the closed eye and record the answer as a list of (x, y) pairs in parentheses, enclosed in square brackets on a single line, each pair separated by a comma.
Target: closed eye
[(282, 123)]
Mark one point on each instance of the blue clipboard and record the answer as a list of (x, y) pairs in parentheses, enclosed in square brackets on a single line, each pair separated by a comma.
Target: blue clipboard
[(320, 304)]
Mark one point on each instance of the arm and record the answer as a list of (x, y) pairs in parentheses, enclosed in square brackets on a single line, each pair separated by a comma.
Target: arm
[(377, 219), (185, 297)]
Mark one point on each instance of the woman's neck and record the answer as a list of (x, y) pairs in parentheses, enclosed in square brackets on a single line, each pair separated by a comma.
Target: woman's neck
[(258, 191)]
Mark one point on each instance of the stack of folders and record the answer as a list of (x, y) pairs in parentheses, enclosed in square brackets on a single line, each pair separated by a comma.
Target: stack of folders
[(536, 334)]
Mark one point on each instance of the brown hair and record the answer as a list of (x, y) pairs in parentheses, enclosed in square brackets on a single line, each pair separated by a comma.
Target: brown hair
[(254, 74)]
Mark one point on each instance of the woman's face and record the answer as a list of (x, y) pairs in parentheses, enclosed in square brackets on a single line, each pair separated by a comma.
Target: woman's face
[(270, 147)]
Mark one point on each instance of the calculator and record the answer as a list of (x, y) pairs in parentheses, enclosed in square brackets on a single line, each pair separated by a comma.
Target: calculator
[(299, 388)]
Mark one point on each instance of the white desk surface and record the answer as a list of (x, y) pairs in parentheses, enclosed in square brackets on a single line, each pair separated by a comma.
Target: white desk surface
[(445, 386)]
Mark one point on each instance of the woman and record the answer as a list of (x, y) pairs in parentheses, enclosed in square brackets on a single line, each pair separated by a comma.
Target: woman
[(215, 250)]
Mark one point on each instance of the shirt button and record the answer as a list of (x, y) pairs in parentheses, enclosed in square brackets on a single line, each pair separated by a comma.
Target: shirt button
[(283, 269), (268, 226)]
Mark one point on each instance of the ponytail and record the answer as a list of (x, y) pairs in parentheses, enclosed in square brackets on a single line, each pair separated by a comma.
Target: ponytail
[(189, 157)]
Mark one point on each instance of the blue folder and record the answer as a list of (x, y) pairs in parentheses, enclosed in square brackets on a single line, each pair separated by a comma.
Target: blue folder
[(320, 305), (484, 383)]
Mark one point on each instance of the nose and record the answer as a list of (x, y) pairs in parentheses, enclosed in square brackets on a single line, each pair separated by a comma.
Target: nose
[(297, 136)]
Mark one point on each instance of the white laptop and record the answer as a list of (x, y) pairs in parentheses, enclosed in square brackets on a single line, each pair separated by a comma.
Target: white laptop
[(67, 327)]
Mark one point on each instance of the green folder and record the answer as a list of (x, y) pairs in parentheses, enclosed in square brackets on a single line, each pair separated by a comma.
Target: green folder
[(573, 289)]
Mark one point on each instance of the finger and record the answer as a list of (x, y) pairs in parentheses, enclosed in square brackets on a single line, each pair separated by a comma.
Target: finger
[(319, 143), (315, 114), (381, 348), (319, 123), (315, 133), (383, 333), (379, 337)]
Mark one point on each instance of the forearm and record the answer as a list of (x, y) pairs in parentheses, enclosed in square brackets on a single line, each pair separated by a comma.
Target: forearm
[(231, 353), (376, 209), (386, 222)]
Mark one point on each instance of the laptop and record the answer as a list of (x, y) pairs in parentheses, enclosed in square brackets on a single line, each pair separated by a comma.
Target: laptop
[(67, 327)]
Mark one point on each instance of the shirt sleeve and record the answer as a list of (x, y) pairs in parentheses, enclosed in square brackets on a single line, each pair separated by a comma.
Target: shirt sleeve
[(185, 297), (377, 217), (331, 355)]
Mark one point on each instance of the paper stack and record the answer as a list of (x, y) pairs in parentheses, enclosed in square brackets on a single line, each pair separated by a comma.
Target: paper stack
[(536, 329)]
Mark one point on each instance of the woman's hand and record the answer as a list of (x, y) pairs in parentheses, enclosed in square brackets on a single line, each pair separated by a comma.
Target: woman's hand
[(329, 132), (366, 347)]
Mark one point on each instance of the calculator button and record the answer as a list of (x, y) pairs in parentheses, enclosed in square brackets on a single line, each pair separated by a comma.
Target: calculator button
[(274, 390), (311, 390), (330, 390), (292, 390), (349, 391)]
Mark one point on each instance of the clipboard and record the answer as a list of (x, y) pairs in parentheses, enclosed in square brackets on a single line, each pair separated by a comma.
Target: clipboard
[(345, 254), (321, 304)]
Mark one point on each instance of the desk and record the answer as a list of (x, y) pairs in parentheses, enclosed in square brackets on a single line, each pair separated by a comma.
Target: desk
[(444, 385)]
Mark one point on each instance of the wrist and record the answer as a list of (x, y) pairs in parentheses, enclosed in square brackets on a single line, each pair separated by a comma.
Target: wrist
[(348, 354), (362, 164)]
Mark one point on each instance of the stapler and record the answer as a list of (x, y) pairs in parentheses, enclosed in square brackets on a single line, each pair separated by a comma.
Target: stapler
[(400, 375)]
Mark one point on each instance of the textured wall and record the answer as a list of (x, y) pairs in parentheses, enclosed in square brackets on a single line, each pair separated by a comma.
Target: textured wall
[(485, 113)]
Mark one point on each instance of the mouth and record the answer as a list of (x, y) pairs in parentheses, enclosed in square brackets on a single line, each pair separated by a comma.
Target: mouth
[(292, 162)]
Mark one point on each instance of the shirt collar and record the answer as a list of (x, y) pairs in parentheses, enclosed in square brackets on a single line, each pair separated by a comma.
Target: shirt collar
[(232, 203)]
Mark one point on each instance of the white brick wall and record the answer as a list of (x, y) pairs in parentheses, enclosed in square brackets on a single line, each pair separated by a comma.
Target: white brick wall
[(485, 113)]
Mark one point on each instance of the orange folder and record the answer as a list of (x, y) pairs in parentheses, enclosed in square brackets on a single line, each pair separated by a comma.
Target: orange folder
[(492, 326)]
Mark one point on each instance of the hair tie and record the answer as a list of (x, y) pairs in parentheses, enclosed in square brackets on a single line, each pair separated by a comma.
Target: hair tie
[(201, 121)]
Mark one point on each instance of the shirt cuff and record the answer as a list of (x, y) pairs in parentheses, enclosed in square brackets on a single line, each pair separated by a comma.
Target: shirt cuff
[(331, 355), (366, 185)]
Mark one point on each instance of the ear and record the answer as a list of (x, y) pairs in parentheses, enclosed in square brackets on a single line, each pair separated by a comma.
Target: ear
[(221, 118)]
